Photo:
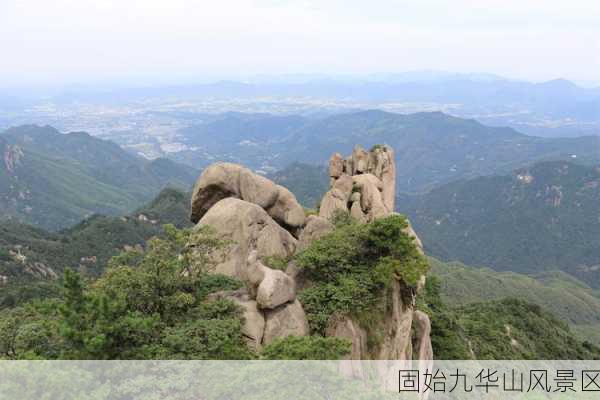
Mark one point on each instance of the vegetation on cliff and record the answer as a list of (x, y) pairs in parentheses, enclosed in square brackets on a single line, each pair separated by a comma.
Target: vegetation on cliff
[(151, 305), (351, 269)]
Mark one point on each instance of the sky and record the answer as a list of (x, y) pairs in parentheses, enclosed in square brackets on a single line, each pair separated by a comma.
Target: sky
[(176, 41)]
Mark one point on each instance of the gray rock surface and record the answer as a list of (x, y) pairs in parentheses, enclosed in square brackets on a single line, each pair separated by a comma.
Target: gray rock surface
[(248, 227), (286, 210), (286, 320), (223, 180), (315, 228), (254, 321), (276, 288)]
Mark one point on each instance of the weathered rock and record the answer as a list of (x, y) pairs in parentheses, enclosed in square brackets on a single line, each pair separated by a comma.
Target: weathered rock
[(275, 289), (396, 329), (216, 182), (336, 165), (344, 184), (257, 189), (286, 320), (254, 321), (346, 328), (222, 180), (360, 160), (315, 228), (357, 213), (248, 227), (348, 166), (371, 200), (255, 272), (337, 198), (286, 210), (367, 179), (388, 178), (422, 326)]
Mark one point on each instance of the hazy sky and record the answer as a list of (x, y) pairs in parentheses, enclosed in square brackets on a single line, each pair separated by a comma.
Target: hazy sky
[(84, 41)]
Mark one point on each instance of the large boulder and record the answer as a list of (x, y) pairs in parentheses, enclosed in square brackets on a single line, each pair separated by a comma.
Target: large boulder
[(257, 189), (315, 228), (346, 328), (276, 288), (396, 329), (371, 200), (360, 160), (286, 210), (286, 320), (271, 287), (337, 198), (254, 321), (247, 227), (216, 182), (422, 326), (336, 165), (388, 176), (223, 180)]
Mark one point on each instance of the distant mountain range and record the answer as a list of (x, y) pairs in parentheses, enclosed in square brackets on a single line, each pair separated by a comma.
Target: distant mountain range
[(553, 108), (537, 219), (431, 148), (54, 180)]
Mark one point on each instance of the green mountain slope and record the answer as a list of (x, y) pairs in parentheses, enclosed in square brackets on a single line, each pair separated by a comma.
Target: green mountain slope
[(538, 219), (507, 329), (431, 148), (54, 180), (31, 257), (563, 296)]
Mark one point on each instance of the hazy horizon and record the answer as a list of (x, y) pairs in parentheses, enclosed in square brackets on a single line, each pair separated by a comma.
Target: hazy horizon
[(135, 42)]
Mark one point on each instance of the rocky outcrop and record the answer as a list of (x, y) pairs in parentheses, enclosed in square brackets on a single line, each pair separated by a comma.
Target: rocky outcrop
[(286, 210), (225, 180), (337, 198), (248, 227), (422, 326), (255, 217), (254, 320), (261, 219), (344, 327), (315, 228), (286, 320), (363, 184)]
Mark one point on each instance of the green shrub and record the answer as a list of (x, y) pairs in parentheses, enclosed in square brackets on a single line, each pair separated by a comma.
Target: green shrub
[(145, 306), (276, 262), (350, 268), (307, 348)]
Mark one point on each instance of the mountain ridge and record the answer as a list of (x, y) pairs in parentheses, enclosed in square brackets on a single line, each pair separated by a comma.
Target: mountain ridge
[(432, 148), (536, 219), (53, 180)]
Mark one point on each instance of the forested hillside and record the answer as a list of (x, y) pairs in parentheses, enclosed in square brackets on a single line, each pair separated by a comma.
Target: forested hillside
[(53, 180), (541, 218), (31, 257), (566, 298), (431, 148)]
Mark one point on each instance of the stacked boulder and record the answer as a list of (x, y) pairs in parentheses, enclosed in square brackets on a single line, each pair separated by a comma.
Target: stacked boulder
[(363, 184), (261, 220)]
